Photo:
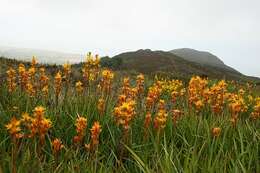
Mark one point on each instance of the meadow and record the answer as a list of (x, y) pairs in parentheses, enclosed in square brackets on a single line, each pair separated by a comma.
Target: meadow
[(109, 122)]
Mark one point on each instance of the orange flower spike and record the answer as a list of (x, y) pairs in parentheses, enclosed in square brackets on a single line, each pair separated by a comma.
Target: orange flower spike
[(140, 83), (95, 132), (81, 125), (176, 115), (57, 83), (101, 106), (79, 87), (106, 81), (216, 131), (14, 128), (11, 80), (39, 112), (56, 146), (147, 121)]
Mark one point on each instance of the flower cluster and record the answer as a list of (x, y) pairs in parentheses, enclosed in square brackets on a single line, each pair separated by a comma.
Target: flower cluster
[(14, 128), (217, 96), (101, 106), (23, 76), (176, 114), (90, 68), (58, 83), (56, 146), (106, 80), (44, 82), (66, 71), (161, 117), (39, 124), (237, 105), (197, 85), (140, 84), (153, 95), (256, 112), (11, 80), (79, 87), (95, 132), (81, 125), (124, 113)]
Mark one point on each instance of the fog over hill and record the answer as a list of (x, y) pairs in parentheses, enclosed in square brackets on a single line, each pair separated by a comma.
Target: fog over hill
[(43, 56)]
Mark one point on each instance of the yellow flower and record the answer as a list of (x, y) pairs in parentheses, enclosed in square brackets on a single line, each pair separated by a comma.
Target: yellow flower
[(81, 125), (11, 80), (79, 87), (95, 132), (124, 113), (101, 106), (58, 83), (56, 146), (161, 117), (39, 112), (216, 131), (14, 128)]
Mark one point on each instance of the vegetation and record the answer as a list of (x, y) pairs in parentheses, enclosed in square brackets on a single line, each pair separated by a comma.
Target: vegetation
[(105, 122)]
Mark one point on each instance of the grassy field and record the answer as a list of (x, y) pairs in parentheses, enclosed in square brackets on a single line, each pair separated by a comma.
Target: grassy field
[(106, 122)]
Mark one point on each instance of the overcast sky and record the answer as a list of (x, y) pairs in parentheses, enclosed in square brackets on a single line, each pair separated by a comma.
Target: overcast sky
[(229, 29)]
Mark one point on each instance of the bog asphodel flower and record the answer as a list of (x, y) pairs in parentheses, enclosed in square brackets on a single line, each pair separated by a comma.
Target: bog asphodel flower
[(14, 128), (161, 117), (101, 106), (11, 80), (126, 89), (44, 82), (79, 87), (58, 83), (23, 76), (256, 111), (95, 132), (176, 116), (81, 125), (39, 124), (215, 96), (196, 88), (153, 95), (30, 89), (124, 113), (26, 120), (140, 83), (66, 73), (216, 131), (106, 80), (147, 121), (90, 68), (56, 146), (199, 105)]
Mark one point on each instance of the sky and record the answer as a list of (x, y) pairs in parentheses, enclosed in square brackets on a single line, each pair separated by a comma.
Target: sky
[(230, 29)]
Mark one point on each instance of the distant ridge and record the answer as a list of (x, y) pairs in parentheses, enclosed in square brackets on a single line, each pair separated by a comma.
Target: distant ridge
[(202, 57), (44, 56)]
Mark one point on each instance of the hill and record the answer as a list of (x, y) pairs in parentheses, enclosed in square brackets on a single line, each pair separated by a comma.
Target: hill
[(202, 57), (151, 62)]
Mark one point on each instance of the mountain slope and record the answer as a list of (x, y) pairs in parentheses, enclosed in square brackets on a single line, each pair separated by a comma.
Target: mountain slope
[(204, 58), (147, 61)]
